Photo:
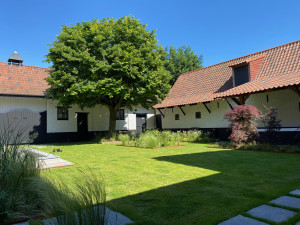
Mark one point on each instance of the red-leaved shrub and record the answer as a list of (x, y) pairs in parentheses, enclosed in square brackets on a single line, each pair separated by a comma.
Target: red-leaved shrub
[(243, 124)]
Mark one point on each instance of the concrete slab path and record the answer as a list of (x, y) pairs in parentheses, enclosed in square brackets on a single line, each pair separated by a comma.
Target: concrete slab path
[(271, 213), (242, 220), (295, 192), (287, 201)]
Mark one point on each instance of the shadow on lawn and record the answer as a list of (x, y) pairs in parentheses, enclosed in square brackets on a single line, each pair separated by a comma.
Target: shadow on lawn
[(245, 180)]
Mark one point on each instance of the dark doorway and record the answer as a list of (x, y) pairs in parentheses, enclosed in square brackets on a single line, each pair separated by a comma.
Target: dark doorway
[(158, 122), (82, 126), (141, 122)]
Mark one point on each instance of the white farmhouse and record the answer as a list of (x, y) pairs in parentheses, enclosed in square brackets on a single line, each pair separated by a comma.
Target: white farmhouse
[(200, 98), (23, 105)]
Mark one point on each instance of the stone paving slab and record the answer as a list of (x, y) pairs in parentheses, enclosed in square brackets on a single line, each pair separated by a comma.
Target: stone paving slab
[(54, 163), (271, 213), (287, 201), (295, 192), (298, 223), (242, 220), (112, 218)]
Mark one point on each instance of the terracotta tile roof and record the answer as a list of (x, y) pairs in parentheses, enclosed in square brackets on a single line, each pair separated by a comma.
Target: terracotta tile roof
[(263, 84), (272, 68), (24, 80)]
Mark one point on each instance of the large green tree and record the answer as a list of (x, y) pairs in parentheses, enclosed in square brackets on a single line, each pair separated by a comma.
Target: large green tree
[(181, 60), (114, 62)]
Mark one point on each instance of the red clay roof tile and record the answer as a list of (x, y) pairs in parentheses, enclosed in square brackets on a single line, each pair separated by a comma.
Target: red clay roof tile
[(272, 68), (23, 80)]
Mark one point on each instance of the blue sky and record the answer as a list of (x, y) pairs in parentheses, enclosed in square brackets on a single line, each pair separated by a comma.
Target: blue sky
[(218, 29)]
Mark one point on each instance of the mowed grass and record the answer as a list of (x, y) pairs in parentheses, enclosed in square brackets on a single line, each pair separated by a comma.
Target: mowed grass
[(183, 185)]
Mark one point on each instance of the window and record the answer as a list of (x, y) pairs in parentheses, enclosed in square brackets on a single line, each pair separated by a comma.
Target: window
[(62, 113), (241, 75), (176, 116), (120, 114), (198, 115)]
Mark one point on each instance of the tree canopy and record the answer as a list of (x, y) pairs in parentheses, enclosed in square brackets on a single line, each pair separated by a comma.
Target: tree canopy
[(114, 62), (181, 60)]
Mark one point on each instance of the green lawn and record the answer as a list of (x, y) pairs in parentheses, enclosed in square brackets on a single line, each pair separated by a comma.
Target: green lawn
[(184, 185)]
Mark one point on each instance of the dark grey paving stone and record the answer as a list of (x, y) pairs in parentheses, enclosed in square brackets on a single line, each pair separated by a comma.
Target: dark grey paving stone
[(271, 213), (242, 220), (295, 192), (298, 223), (287, 201)]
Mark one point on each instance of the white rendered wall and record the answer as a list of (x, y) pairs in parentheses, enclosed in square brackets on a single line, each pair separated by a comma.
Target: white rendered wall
[(98, 118), (286, 101), (8, 104), (21, 114)]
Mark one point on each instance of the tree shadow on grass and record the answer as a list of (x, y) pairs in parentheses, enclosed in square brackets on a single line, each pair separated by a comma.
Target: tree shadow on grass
[(245, 180)]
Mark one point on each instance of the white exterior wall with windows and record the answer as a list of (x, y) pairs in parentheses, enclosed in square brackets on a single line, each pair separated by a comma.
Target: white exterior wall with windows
[(98, 118), (286, 101)]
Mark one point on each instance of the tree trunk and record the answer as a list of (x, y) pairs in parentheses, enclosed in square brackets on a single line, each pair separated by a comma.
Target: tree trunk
[(112, 120)]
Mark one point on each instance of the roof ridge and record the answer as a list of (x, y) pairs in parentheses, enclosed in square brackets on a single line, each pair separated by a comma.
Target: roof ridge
[(262, 51), (28, 65)]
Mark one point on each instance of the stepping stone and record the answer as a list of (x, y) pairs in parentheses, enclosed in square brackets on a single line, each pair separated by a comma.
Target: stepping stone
[(238, 220), (287, 201), (298, 223), (271, 213), (25, 223), (295, 192)]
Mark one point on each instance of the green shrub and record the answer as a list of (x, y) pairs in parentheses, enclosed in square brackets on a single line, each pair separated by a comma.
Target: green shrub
[(166, 138), (272, 148), (125, 138), (177, 138), (193, 135), (262, 147), (149, 139)]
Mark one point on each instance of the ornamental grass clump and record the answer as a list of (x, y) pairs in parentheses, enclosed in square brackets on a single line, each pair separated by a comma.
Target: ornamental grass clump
[(193, 135), (243, 124), (154, 139), (166, 138), (125, 139), (149, 139), (81, 204), (18, 170)]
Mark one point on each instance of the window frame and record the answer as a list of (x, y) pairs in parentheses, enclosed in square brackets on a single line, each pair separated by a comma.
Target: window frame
[(199, 117), (234, 76), (62, 113), (120, 116), (177, 117)]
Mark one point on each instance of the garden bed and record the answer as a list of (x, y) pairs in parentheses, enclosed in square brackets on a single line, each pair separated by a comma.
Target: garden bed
[(155, 139), (111, 142), (262, 148), (173, 146)]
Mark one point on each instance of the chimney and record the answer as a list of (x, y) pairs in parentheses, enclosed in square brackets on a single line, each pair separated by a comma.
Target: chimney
[(15, 58)]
